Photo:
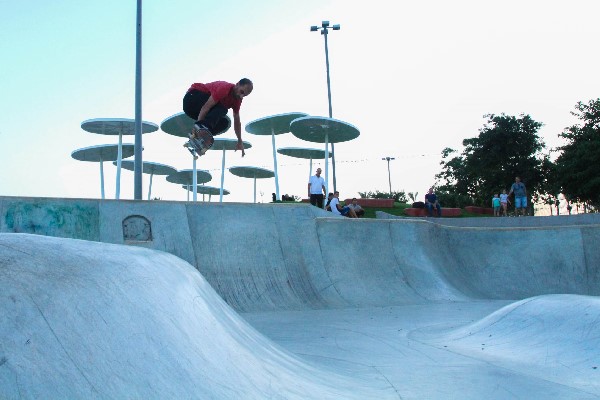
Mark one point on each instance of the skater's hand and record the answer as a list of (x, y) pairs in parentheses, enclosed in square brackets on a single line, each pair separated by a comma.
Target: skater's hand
[(240, 146)]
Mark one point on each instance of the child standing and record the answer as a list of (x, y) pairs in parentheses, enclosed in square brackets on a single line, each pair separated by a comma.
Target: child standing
[(496, 205), (504, 202)]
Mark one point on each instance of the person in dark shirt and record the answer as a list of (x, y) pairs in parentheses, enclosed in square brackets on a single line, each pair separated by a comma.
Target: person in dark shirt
[(518, 188), (432, 202)]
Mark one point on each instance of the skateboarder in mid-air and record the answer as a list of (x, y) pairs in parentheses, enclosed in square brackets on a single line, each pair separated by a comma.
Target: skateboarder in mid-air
[(207, 104)]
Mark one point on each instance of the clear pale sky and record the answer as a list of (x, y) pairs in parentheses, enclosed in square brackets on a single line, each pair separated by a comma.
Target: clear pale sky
[(414, 77)]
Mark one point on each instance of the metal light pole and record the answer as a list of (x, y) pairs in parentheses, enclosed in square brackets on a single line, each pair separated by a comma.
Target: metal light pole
[(137, 163), (388, 159), (325, 31)]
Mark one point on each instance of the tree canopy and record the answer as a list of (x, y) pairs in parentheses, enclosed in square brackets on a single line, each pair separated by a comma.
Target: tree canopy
[(506, 147), (577, 168)]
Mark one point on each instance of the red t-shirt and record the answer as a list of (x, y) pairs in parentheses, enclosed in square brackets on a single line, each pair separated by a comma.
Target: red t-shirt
[(222, 93)]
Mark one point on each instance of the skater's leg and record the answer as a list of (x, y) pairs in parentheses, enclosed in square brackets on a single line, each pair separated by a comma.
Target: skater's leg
[(193, 102), (214, 118)]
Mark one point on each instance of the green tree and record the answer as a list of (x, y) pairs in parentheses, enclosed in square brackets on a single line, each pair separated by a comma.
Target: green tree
[(577, 170), (506, 147)]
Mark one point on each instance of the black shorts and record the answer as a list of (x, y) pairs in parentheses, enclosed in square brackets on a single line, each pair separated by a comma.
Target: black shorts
[(215, 118)]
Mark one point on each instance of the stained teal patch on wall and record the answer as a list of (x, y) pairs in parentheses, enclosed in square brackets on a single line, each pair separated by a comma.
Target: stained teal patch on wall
[(50, 218)]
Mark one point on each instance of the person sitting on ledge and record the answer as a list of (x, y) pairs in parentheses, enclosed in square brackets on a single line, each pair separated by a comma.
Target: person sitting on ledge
[(329, 198), (358, 210), (336, 208), (432, 202)]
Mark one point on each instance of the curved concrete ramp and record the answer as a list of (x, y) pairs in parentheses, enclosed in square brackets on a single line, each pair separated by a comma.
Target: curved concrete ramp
[(276, 257), (92, 320), (285, 258)]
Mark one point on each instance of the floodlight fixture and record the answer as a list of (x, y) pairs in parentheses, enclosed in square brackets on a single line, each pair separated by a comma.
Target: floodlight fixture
[(324, 28), (388, 159)]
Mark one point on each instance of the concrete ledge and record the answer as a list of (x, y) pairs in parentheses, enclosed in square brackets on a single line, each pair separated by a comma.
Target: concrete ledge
[(382, 203), (479, 210), (507, 222), (422, 212)]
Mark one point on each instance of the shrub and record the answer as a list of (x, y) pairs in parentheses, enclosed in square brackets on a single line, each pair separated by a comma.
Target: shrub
[(400, 197), (453, 200)]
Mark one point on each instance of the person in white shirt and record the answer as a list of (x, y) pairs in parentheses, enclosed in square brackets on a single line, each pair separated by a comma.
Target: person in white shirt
[(336, 208), (504, 201), (316, 189), (327, 205)]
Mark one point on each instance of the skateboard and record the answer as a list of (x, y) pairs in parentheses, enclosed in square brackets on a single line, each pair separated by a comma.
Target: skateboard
[(200, 140)]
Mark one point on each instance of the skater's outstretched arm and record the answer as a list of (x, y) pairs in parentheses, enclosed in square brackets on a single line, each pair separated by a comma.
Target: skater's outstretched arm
[(237, 127)]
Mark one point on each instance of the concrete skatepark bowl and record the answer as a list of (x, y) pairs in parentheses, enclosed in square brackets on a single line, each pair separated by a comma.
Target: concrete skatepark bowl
[(139, 299)]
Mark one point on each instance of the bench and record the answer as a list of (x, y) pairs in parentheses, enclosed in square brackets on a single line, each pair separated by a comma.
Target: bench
[(479, 210), (422, 212)]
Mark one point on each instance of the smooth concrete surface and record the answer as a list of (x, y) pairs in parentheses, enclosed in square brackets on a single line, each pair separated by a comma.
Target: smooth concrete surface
[(455, 350), (89, 320), (369, 309)]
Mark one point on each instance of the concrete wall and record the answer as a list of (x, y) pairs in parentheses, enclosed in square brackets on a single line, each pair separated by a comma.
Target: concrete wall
[(262, 257), (51, 217)]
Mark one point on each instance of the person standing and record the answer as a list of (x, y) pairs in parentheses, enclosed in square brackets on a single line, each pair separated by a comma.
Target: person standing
[(316, 189), (496, 204), (518, 188), (504, 202)]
